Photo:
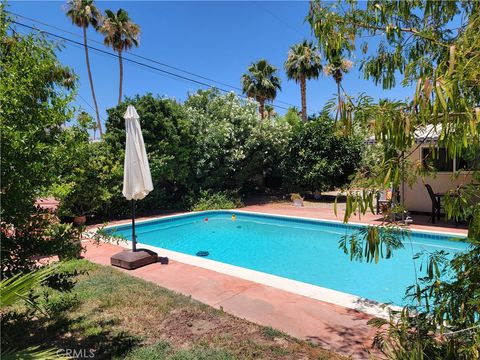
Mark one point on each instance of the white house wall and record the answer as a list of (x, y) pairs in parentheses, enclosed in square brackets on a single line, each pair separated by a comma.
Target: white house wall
[(417, 198)]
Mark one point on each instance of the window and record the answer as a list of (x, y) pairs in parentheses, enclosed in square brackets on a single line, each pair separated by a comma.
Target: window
[(468, 163), (437, 158)]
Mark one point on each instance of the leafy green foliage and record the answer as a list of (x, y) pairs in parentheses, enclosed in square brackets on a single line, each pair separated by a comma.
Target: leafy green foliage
[(447, 326), (318, 159), (14, 290), (90, 179), (233, 149), (219, 200), (435, 46), (32, 353), (292, 117), (17, 287), (212, 142), (221, 126), (32, 113), (35, 97), (429, 54), (169, 145), (382, 241)]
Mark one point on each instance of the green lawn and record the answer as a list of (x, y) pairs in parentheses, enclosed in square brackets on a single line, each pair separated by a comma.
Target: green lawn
[(123, 317)]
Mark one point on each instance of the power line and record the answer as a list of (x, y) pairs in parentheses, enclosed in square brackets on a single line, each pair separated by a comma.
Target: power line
[(89, 105), (134, 61), (90, 40), (278, 18), (165, 72)]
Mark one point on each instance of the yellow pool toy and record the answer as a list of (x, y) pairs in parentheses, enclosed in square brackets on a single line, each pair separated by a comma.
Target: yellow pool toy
[(234, 217)]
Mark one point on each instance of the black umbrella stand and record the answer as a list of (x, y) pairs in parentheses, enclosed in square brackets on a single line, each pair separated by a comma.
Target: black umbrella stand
[(136, 257), (134, 239)]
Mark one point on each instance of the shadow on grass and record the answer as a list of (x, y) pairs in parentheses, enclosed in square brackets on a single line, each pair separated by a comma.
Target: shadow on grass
[(80, 336)]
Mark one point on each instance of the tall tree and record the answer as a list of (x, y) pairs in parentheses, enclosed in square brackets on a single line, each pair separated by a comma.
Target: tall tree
[(270, 111), (35, 97), (337, 67), (261, 83), (121, 34), (434, 45), (84, 13), (302, 64)]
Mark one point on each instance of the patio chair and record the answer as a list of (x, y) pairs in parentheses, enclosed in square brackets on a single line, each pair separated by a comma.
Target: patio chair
[(384, 201), (436, 203)]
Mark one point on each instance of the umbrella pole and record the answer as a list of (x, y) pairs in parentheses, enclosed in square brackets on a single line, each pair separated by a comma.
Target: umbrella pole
[(134, 240)]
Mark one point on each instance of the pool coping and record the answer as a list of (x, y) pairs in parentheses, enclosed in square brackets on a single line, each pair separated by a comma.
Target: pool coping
[(350, 301), (319, 220)]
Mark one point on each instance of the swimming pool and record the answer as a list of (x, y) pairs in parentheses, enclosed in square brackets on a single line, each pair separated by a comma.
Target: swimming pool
[(293, 248)]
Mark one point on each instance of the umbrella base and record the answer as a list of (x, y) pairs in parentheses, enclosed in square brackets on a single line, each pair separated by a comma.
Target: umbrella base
[(131, 260)]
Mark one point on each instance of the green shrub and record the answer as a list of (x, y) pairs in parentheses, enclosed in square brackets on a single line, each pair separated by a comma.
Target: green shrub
[(35, 101), (219, 200), (319, 159), (212, 142), (169, 146), (221, 125), (90, 178)]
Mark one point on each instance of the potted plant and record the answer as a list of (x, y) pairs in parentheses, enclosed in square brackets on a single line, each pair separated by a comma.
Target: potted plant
[(76, 201), (296, 199)]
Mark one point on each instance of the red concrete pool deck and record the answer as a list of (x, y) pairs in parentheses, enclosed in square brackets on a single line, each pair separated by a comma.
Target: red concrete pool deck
[(336, 328), (420, 222), (333, 327)]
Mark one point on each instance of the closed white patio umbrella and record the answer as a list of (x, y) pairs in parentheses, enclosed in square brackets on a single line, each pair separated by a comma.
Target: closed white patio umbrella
[(137, 181)]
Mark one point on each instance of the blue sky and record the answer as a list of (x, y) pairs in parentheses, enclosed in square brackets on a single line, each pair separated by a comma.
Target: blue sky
[(217, 40)]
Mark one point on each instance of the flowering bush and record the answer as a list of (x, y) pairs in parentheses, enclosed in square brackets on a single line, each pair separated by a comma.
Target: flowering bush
[(318, 159), (216, 142)]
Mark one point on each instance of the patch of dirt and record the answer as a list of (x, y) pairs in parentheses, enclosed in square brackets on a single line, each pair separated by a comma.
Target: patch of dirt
[(188, 325), (184, 327)]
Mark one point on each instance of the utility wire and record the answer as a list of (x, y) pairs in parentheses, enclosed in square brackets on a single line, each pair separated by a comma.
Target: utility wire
[(90, 40), (133, 61), (278, 18), (89, 105), (177, 76)]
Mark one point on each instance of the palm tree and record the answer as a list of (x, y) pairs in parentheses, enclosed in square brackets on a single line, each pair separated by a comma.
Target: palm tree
[(15, 290), (84, 13), (302, 64), (337, 67), (121, 34), (261, 83), (270, 111)]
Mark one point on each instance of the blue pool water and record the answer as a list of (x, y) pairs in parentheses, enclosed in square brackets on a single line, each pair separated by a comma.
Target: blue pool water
[(298, 249)]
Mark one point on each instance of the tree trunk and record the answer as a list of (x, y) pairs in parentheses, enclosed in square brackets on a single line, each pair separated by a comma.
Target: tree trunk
[(91, 81), (339, 107), (121, 77), (261, 108), (303, 89)]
